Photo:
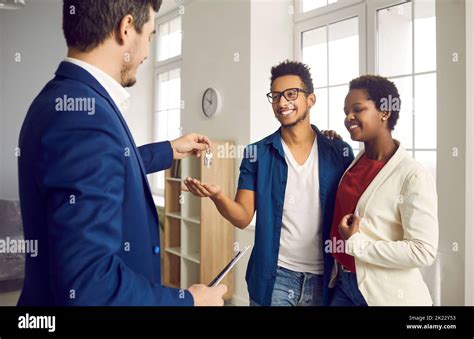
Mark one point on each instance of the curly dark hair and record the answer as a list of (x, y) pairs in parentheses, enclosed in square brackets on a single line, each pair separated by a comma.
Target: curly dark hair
[(294, 68), (381, 91)]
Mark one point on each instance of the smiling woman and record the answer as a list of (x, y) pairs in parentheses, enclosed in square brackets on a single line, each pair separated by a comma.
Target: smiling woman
[(386, 208)]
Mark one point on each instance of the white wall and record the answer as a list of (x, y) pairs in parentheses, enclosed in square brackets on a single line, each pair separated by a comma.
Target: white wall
[(264, 54), (35, 33), (469, 285), (42, 47), (139, 116), (213, 31), (271, 42), (451, 167)]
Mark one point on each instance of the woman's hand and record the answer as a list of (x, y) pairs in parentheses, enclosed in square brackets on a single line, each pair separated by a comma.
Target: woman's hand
[(200, 189), (330, 134), (348, 226)]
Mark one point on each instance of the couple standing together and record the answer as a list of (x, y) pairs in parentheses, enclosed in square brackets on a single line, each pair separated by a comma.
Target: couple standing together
[(331, 229)]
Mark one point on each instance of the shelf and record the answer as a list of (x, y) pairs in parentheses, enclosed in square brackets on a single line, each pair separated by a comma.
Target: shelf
[(194, 220), (176, 215), (174, 250), (194, 228), (194, 257)]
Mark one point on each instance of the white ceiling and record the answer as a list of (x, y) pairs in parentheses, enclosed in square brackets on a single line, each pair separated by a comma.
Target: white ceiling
[(167, 6)]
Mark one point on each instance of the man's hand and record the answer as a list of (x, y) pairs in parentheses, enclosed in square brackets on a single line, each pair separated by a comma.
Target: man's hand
[(208, 296), (191, 144), (330, 134), (200, 189), (348, 226)]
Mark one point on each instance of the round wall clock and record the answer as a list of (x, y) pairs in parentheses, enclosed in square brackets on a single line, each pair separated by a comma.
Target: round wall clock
[(211, 102)]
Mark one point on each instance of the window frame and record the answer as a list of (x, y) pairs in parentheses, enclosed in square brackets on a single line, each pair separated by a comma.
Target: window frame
[(368, 31), (303, 16), (331, 14), (161, 67), (372, 63)]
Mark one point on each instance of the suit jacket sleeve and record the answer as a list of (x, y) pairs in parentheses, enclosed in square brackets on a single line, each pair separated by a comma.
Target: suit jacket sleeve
[(83, 173), (156, 157)]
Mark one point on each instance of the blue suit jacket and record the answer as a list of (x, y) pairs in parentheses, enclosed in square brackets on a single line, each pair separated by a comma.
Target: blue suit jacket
[(85, 197)]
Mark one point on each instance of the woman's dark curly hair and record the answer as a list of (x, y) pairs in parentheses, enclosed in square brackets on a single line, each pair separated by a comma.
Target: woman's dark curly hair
[(381, 91)]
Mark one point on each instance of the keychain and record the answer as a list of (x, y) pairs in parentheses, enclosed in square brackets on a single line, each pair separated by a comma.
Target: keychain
[(208, 158)]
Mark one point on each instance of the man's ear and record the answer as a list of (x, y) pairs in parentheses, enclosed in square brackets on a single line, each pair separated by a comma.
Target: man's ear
[(124, 28), (311, 101)]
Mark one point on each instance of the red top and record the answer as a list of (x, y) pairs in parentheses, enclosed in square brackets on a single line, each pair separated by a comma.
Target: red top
[(351, 188)]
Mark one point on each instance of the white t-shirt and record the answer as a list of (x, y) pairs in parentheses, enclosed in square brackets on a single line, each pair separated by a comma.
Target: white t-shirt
[(301, 238)]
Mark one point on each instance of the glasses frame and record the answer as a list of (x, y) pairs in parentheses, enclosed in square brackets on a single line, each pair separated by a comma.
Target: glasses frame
[(280, 94)]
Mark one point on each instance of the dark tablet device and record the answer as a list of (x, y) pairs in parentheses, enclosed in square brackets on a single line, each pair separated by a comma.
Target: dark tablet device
[(227, 269)]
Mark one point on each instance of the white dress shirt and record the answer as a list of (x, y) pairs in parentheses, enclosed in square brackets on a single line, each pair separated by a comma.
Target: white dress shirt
[(119, 95)]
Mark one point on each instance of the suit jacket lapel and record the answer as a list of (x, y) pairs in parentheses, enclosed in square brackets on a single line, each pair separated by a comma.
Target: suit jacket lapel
[(69, 70), (75, 72)]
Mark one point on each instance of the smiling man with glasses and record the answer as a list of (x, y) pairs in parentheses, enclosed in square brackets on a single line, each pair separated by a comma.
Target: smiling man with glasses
[(291, 185)]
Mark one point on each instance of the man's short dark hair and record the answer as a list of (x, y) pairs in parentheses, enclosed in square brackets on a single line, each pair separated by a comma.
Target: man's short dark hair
[(294, 68), (88, 23), (380, 90)]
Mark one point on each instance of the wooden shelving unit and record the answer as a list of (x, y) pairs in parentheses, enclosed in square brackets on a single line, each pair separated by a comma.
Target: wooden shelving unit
[(198, 241)]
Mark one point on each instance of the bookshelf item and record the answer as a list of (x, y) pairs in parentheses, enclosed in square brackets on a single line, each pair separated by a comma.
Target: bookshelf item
[(198, 242)]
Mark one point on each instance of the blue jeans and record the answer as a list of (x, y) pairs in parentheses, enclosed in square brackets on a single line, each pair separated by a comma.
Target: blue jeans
[(346, 292), (296, 289)]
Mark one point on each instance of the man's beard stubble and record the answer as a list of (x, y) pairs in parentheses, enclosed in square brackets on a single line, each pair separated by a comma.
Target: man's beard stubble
[(126, 77), (293, 124)]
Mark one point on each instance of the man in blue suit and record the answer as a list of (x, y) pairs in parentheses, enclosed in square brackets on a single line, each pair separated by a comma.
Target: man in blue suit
[(83, 187)]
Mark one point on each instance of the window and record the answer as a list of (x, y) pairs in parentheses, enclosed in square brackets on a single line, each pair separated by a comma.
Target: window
[(393, 38), (309, 5), (406, 54), (167, 102), (169, 39), (332, 48)]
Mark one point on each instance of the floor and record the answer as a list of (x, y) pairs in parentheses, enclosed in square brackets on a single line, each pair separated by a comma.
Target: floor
[(9, 298)]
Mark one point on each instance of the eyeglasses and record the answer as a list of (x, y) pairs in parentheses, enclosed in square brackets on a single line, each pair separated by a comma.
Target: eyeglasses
[(290, 94)]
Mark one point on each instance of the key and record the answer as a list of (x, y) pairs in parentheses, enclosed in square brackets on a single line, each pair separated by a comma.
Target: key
[(208, 158)]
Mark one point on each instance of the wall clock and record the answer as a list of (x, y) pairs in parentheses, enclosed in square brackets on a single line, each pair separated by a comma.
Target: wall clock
[(211, 102)]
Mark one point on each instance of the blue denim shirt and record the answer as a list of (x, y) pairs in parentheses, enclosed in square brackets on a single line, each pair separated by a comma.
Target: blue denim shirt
[(264, 171)]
